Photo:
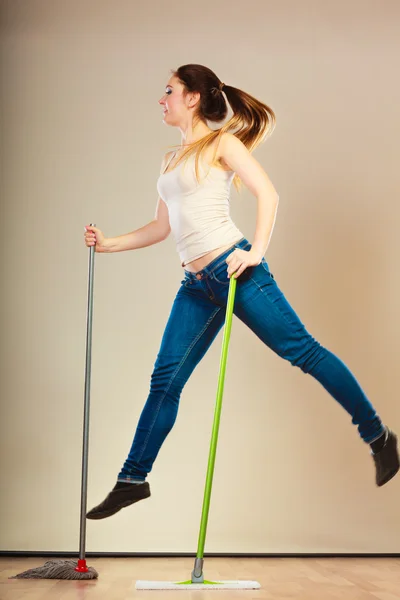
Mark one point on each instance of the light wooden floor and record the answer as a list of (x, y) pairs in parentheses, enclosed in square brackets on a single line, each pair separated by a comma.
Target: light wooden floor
[(280, 578)]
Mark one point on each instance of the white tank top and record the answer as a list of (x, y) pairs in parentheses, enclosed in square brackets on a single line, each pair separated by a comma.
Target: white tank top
[(198, 212)]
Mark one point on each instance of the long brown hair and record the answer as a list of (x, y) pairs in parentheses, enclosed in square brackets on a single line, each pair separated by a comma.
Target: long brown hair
[(252, 120)]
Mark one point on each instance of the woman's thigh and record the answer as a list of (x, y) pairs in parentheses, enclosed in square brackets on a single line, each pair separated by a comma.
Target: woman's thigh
[(262, 306), (192, 326)]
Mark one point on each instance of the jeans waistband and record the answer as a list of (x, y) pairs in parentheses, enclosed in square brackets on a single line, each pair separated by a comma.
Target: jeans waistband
[(243, 243)]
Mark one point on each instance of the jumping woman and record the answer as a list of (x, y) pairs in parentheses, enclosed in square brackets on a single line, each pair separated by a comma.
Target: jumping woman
[(193, 203)]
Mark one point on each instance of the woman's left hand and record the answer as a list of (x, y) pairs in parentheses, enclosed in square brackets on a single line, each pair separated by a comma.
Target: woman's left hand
[(239, 260)]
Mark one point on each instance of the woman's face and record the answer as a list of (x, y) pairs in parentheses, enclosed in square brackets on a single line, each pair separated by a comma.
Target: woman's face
[(174, 104)]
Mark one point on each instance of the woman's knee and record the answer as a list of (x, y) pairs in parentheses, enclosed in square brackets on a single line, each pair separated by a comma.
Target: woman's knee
[(300, 349), (307, 355), (167, 379)]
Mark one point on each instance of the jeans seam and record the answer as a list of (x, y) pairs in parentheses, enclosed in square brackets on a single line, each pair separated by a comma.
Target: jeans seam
[(212, 297), (157, 410), (277, 307)]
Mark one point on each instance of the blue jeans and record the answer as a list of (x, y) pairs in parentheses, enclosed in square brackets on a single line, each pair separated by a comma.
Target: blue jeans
[(197, 315)]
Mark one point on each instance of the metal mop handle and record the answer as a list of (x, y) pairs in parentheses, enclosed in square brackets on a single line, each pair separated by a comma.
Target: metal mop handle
[(82, 567), (197, 573)]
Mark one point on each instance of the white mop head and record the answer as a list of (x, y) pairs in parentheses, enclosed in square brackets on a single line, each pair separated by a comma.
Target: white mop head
[(188, 585)]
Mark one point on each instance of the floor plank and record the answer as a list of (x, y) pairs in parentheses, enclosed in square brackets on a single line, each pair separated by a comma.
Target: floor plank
[(280, 579)]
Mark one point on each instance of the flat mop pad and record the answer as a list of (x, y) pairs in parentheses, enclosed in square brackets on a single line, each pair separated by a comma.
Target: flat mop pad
[(188, 585)]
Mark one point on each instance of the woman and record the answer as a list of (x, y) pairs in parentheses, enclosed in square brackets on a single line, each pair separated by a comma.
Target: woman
[(194, 204)]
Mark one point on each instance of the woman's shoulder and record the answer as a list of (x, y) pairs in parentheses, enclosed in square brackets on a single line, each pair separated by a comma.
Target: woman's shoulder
[(229, 140), (165, 160), (167, 157), (228, 143)]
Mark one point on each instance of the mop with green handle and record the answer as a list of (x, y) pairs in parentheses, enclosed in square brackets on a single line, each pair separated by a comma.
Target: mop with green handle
[(197, 581)]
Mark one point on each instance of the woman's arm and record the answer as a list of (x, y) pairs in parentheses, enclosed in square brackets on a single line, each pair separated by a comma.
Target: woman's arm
[(154, 232), (239, 159)]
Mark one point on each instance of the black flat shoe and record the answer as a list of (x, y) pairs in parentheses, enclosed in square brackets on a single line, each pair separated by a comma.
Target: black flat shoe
[(119, 498), (387, 461)]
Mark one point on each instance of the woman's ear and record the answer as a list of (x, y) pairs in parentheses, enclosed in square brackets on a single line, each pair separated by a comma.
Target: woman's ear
[(193, 99)]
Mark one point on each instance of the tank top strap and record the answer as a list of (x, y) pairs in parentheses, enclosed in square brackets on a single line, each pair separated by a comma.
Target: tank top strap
[(169, 162)]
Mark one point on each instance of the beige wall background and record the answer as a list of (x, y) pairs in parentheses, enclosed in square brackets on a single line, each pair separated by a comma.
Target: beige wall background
[(82, 141)]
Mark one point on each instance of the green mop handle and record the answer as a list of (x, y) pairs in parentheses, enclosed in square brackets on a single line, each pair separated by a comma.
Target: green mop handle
[(217, 416)]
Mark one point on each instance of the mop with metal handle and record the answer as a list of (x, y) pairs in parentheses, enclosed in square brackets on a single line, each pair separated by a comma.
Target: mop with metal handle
[(197, 580), (70, 568)]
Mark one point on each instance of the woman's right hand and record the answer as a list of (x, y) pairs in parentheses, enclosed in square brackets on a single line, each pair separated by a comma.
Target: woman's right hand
[(95, 237)]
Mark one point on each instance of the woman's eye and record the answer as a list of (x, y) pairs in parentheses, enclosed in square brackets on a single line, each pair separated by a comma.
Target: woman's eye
[(168, 92)]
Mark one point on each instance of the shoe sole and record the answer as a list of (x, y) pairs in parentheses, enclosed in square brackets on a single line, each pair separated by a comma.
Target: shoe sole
[(112, 511), (388, 477), (395, 470)]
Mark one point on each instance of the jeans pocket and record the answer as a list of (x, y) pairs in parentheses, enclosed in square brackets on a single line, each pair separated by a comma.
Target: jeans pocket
[(220, 274), (266, 268), (187, 282)]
